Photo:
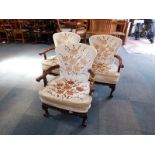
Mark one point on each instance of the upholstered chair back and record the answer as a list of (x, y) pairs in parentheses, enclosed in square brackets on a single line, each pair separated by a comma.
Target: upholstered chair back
[(75, 60), (65, 38), (106, 46)]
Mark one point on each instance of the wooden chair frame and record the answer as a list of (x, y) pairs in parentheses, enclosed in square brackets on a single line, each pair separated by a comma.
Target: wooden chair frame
[(45, 107), (45, 51), (113, 86), (3, 32)]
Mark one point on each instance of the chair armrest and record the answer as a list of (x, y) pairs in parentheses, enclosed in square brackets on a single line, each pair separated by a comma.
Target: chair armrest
[(119, 61), (45, 51), (92, 79), (45, 73)]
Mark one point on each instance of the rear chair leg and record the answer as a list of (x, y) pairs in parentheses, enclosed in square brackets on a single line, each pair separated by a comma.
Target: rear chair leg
[(112, 90), (84, 121), (45, 108)]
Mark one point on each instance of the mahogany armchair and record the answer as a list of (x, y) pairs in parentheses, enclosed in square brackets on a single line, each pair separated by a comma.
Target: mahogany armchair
[(59, 39), (72, 91), (106, 71)]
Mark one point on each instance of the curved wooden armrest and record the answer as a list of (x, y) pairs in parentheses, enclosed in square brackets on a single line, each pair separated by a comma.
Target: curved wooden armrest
[(45, 73), (120, 62), (92, 76), (45, 51)]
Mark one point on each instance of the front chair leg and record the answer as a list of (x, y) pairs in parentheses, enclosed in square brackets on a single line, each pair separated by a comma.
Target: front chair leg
[(45, 108), (84, 121), (44, 79), (112, 89)]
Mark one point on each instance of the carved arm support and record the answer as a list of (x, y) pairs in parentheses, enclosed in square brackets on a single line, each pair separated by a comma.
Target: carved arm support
[(120, 62), (45, 73), (92, 79)]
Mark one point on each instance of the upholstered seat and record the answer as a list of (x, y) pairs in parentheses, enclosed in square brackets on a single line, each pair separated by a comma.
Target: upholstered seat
[(68, 95), (72, 91), (59, 39), (51, 61), (106, 74), (105, 70)]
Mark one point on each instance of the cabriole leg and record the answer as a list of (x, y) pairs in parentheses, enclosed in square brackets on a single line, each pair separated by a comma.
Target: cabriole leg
[(84, 121), (45, 108), (112, 89)]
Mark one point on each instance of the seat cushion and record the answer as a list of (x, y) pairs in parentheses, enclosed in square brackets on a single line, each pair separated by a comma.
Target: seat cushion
[(68, 95), (51, 61), (106, 74)]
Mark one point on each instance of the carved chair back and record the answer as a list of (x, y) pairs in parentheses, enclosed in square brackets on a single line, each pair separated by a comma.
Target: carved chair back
[(75, 60), (65, 38), (106, 46)]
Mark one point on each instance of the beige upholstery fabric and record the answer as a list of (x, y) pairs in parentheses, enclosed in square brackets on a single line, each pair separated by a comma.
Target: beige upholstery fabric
[(106, 46), (75, 60), (105, 74), (104, 67), (67, 95), (51, 61), (71, 90), (60, 39)]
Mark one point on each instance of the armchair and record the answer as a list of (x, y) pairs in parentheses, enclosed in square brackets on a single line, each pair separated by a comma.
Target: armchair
[(106, 71), (72, 91), (59, 39)]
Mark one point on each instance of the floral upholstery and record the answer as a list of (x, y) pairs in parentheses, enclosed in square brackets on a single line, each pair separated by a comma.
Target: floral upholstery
[(71, 90), (104, 67), (106, 46), (75, 60), (105, 74), (67, 95), (65, 38), (59, 39), (51, 61)]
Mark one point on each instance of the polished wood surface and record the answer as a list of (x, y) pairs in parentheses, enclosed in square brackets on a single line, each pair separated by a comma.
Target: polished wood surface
[(117, 28), (40, 31), (100, 26), (28, 30)]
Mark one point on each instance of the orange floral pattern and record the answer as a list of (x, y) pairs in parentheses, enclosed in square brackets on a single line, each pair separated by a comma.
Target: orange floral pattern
[(65, 38), (106, 46), (61, 88), (79, 88), (70, 82), (75, 60), (73, 83), (60, 39), (100, 68)]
